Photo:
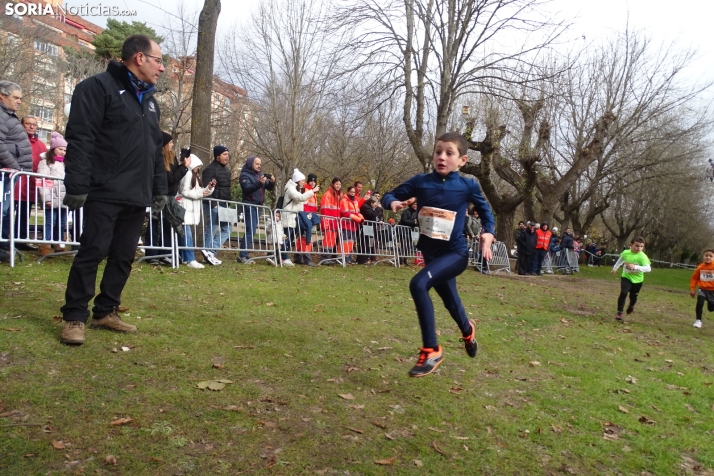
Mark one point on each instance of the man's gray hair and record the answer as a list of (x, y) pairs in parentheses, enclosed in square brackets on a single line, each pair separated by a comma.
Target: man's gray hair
[(7, 87)]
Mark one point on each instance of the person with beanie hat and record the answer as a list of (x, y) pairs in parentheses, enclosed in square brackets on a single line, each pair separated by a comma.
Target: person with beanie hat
[(309, 217), (253, 184), (292, 208), (215, 232), (51, 193)]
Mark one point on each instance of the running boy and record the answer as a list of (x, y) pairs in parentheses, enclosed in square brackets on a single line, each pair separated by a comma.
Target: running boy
[(703, 277), (442, 199), (636, 263)]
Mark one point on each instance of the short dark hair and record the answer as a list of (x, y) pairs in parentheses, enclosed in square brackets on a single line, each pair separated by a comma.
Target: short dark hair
[(335, 180), (456, 138), (358, 183), (133, 45), (521, 222), (638, 239), (708, 250)]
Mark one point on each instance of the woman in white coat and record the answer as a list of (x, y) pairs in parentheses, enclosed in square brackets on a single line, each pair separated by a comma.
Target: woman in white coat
[(293, 204), (191, 191)]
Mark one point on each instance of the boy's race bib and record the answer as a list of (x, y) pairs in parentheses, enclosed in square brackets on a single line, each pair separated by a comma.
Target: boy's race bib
[(706, 276), (436, 223)]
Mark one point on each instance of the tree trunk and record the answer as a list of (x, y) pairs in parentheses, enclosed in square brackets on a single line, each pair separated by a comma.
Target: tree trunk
[(203, 81), (504, 227)]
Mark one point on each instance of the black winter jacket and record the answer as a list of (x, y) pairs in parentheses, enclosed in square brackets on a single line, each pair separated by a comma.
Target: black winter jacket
[(526, 242), (114, 141), (409, 218), (222, 174), (253, 190), (369, 213), (15, 148), (566, 241), (174, 176)]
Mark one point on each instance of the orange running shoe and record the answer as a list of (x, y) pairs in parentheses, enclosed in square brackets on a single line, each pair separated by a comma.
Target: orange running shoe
[(429, 360)]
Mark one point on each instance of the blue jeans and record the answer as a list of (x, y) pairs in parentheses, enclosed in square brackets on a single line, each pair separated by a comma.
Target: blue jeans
[(439, 273), (306, 225), (250, 214), (214, 233), (55, 223), (187, 240)]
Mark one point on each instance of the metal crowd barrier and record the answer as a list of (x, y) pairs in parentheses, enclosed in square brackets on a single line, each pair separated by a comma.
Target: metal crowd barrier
[(405, 241), (499, 260), (567, 261), (38, 219), (369, 241)]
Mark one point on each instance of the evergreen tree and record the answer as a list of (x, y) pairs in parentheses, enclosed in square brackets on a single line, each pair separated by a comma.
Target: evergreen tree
[(108, 44)]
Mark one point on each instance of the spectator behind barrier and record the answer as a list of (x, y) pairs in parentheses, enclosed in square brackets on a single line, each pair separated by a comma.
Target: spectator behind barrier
[(349, 208), (253, 184), (15, 153), (52, 193), (192, 192), (216, 232), (366, 243), (330, 209), (294, 200)]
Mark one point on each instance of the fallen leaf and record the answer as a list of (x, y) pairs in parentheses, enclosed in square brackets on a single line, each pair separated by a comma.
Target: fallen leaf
[(214, 385), (58, 445), (110, 459), (346, 396), (456, 390), (379, 425), (461, 437), (690, 408), (270, 424), (646, 421), (534, 363), (418, 463), (436, 430), (244, 347), (611, 436), (224, 380), (386, 462), (489, 407), (11, 329), (217, 366), (623, 409), (631, 379), (270, 304), (669, 361), (556, 428), (357, 407), (356, 430), (121, 421), (114, 350), (125, 348), (57, 318)]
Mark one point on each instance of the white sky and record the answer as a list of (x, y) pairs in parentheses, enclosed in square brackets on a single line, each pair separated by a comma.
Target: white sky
[(686, 21)]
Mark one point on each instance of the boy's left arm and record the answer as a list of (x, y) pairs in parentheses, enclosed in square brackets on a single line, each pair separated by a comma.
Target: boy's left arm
[(401, 194), (488, 224)]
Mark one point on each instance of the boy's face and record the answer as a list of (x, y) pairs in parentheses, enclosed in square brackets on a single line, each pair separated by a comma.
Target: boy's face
[(447, 158), (636, 247), (708, 257)]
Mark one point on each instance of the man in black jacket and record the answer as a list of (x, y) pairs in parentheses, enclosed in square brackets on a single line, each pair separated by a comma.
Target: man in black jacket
[(114, 164), (254, 184), (526, 244), (216, 232)]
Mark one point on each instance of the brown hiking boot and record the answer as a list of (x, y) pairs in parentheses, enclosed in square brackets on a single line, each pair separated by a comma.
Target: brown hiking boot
[(45, 250), (72, 333), (112, 322)]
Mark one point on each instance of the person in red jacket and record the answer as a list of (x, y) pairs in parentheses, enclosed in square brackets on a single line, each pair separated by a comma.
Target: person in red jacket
[(703, 277), (26, 196), (349, 208), (330, 211), (543, 235)]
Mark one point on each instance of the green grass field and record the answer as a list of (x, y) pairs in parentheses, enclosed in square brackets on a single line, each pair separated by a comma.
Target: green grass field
[(317, 361)]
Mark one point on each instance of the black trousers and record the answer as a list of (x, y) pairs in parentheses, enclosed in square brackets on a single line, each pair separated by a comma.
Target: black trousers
[(111, 231), (627, 287), (523, 263)]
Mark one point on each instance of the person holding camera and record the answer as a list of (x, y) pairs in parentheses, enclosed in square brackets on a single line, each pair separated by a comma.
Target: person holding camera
[(254, 184), (215, 232), (295, 199)]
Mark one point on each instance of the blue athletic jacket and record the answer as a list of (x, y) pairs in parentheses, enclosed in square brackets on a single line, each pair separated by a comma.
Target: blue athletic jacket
[(452, 192)]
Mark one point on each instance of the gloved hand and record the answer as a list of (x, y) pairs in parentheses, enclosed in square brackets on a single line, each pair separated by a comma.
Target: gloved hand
[(160, 202), (74, 202)]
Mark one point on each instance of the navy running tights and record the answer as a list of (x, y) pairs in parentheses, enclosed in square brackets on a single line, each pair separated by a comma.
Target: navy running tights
[(439, 273)]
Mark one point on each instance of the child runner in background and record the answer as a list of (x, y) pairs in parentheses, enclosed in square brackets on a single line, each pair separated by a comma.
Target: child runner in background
[(703, 277), (442, 199), (636, 263)]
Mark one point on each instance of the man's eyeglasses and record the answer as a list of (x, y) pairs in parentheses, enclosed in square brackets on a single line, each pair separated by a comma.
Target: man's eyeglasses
[(158, 59)]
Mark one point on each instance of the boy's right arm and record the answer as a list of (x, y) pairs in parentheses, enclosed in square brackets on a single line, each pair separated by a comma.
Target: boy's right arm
[(694, 281), (401, 194), (619, 263)]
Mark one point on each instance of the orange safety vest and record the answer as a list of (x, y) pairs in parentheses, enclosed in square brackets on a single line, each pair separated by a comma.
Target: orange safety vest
[(542, 239), (350, 209), (330, 207)]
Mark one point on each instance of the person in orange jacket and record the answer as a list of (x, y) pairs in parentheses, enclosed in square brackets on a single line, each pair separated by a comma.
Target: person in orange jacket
[(543, 235), (349, 208), (329, 223), (703, 277)]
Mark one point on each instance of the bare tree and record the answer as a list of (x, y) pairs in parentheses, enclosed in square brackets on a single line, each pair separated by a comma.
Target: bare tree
[(433, 52), (203, 80), (290, 63)]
